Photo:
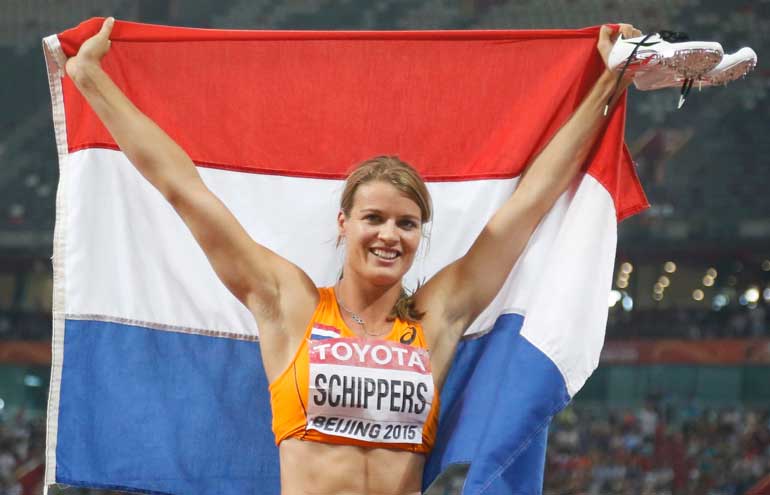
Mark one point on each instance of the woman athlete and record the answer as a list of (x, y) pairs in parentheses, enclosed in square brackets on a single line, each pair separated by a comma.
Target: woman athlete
[(366, 315)]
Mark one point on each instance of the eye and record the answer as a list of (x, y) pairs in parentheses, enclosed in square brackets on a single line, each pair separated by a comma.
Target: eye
[(372, 218), (407, 224)]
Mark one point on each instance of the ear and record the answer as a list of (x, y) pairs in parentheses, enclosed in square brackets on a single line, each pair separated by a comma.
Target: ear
[(341, 219)]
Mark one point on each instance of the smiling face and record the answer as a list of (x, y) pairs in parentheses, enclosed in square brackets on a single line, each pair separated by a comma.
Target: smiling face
[(382, 232)]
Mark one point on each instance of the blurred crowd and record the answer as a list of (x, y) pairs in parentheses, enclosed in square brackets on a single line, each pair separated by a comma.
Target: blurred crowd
[(737, 322), (22, 458), (25, 325), (22, 445), (659, 449)]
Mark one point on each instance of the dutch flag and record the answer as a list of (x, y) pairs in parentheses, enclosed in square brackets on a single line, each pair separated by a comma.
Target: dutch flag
[(323, 332), (156, 382)]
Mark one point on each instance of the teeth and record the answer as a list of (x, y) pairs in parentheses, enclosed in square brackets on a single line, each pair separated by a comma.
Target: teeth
[(388, 255)]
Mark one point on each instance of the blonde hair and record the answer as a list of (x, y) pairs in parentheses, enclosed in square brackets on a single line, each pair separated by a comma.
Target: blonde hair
[(402, 176), (391, 170)]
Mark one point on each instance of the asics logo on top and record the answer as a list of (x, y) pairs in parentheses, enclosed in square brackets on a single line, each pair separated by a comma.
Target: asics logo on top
[(408, 336)]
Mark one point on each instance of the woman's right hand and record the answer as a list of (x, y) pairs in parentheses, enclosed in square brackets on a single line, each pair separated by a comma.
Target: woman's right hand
[(92, 50)]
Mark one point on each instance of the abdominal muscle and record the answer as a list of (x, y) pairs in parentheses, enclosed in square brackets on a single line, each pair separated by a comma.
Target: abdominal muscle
[(313, 468)]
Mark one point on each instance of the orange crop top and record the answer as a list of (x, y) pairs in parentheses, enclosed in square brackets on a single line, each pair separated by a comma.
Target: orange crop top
[(343, 389)]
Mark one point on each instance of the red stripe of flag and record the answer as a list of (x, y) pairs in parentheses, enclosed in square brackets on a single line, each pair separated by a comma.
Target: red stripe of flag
[(459, 105)]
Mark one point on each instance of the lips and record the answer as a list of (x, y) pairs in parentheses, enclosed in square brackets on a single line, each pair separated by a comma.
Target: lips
[(385, 254)]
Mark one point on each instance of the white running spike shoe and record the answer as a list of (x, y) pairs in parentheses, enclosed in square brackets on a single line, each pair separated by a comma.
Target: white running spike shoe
[(653, 53), (732, 67), (663, 59)]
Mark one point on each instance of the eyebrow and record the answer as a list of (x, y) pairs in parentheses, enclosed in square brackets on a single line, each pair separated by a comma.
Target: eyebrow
[(375, 210)]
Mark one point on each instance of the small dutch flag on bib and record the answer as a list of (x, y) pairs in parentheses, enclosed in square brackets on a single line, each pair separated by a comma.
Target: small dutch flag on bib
[(322, 332)]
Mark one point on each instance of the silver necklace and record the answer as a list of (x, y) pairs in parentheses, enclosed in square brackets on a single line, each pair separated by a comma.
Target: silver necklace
[(354, 316)]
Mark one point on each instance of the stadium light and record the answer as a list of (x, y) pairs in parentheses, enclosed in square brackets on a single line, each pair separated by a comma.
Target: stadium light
[(719, 302), (615, 296), (752, 294), (627, 302), (33, 381), (697, 295), (626, 267)]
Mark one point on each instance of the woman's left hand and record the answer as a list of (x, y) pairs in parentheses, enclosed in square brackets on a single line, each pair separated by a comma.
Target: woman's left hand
[(608, 36), (92, 50)]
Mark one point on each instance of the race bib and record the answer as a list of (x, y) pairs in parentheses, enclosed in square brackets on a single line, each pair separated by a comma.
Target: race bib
[(373, 390)]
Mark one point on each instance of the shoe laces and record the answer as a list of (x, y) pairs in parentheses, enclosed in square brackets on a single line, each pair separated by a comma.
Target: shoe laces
[(678, 37), (623, 71), (674, 36), (669, 36)]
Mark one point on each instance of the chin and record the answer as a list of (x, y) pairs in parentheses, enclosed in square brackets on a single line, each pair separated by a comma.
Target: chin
[(380, 276), (384, 279)]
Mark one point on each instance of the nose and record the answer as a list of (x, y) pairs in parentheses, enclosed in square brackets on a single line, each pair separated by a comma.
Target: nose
[(388, 232)]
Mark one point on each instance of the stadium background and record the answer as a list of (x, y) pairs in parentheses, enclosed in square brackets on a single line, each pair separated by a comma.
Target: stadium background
[(681, 401)]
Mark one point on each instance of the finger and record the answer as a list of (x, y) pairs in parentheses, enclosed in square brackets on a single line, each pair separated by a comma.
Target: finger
[(106, 29), (617, 32), (627, 30), (605, 33)]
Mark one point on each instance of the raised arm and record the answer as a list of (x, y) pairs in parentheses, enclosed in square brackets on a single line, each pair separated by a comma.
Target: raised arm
[(262, 280), (458, 293)]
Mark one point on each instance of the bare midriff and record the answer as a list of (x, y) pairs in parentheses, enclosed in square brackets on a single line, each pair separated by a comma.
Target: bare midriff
[(314, 468)]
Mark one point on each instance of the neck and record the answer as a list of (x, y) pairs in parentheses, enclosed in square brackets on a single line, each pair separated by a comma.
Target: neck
[(371, 302)]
